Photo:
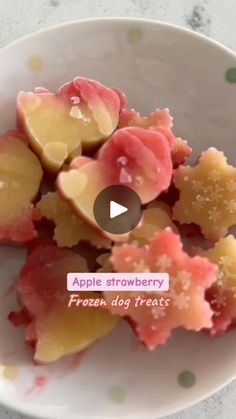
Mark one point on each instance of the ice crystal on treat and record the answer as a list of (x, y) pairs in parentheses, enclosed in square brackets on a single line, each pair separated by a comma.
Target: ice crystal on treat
[(214, 215), (20, 178), (190, 277), (215, 193), (222, 294), (56, 330), (209, 187), (199, 203), (230, 206), (183, 278), (125, 177), (231, 185), (181, 301), (140, 266), (157, 313), (163, 262), (219, 300), (70, 229), (197, 185), (156, 217), (122, 160)]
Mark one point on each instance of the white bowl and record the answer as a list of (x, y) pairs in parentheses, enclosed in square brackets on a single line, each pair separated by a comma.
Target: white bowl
[(156, 65)]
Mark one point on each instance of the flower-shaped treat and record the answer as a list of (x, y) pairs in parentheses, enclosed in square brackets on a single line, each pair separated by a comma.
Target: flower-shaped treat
[(70, 229), (134, 157), (131, 118), (222, 294), (162, 121), (81, 112), (20, 178), (56, 329), (207, 194), (156, 217), (189, 279)]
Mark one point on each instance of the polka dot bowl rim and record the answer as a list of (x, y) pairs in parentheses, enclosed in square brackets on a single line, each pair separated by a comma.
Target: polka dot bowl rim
[(118, 398)]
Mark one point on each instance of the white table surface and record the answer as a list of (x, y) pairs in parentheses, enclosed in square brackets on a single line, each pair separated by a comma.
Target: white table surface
[(215, 18)]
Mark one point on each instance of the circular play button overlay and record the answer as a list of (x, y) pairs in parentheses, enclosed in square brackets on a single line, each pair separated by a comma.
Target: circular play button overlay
[(117, 209)]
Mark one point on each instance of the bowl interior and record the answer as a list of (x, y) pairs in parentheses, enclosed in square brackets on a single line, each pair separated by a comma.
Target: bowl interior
[(156, 65)]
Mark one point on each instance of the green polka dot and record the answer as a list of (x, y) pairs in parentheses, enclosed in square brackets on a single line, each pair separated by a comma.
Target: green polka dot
[(186, 379), (117, 394), (35, 63), (134, 36), (230, 75)]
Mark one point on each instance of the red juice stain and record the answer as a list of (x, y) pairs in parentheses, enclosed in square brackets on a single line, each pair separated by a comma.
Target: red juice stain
[(41, 381), (39, 384)]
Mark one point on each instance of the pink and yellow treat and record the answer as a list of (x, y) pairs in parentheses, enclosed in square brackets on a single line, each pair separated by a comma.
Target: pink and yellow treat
[(20, 178), (82, 112), (160, 119), (131, 118), (133, 157), (190, 277), (56, 329)]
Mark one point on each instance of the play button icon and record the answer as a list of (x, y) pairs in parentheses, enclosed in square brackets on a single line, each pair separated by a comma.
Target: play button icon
[(117, 209)]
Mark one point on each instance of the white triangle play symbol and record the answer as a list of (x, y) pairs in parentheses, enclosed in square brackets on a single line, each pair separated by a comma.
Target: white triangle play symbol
[(116, 209)]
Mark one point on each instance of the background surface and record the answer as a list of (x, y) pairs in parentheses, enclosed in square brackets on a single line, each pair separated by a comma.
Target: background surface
[(214, 18)]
